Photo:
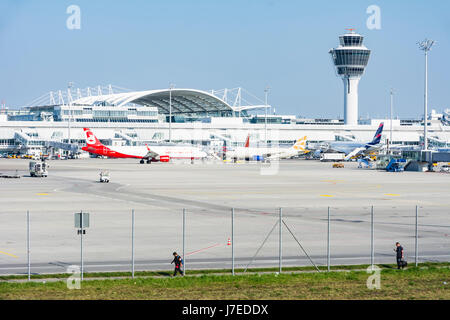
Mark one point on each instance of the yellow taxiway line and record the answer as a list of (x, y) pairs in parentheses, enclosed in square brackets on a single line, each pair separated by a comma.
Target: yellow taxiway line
[(9, 254)]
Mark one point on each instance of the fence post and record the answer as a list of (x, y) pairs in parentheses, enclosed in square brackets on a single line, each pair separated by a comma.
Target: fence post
[(28, 245), (372, 249), (184, 240), (132, 243), (232, 241), (328, 242), (416, 258), (81, 244), (280, 246)]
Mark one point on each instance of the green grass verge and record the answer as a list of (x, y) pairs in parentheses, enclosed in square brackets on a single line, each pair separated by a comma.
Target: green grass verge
[(213, 271), (414, 283)]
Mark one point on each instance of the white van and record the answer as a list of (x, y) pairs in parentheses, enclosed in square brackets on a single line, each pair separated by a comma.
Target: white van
[(38, 169)]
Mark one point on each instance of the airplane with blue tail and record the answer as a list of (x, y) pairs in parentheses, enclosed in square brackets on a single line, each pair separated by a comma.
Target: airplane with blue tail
[(352, 148)]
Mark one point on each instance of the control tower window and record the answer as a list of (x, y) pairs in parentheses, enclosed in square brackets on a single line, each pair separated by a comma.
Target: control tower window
[(351, 57), (353, 40)]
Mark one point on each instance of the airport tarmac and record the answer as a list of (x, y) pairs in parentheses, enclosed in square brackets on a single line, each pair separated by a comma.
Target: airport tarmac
[(158, 193)]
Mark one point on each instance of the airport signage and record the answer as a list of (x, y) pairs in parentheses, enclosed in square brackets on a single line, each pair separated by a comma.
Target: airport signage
[(81, 220)]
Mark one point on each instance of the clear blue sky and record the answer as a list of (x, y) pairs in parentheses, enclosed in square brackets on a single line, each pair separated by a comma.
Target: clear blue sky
[(208, 44)]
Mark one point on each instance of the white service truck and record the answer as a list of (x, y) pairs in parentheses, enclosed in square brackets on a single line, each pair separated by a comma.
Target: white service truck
[(38, 168), (332, 156)]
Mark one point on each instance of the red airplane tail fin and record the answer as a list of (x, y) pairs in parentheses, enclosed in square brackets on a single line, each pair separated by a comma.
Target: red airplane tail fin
[(91, 139), (247, 142)]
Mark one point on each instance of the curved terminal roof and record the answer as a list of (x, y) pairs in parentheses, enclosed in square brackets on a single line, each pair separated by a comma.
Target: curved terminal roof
[(183, 101)]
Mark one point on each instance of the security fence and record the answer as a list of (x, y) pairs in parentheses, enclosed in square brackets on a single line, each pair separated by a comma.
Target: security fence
[(234, 240)]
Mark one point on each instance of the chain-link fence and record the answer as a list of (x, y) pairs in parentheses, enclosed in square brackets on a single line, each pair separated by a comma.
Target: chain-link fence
[(235, 240)]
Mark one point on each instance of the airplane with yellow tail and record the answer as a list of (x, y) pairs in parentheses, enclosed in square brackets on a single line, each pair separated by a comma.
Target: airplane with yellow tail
[(269, 153)]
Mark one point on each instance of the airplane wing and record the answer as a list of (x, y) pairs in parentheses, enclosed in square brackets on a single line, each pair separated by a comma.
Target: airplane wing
[(150, 154), (354, 153), (277, 156), (284, 154)]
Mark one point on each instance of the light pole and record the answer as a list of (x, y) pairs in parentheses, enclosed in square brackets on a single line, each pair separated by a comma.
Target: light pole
[(69, 98), (170, 111), (266, 91), (425, 46), (392, 105)]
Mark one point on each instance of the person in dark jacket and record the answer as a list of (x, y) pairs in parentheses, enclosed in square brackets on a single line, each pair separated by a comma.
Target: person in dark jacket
[(400, 257), (178, 264)]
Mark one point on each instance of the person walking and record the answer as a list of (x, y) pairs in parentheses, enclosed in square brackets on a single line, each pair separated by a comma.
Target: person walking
[(401, 263), (178, 264)]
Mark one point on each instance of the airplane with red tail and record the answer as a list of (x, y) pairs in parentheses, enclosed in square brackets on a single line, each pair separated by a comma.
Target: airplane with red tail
[(154, 153)]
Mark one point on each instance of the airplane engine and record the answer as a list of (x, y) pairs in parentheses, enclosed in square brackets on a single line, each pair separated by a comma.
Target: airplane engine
[(164, 158)]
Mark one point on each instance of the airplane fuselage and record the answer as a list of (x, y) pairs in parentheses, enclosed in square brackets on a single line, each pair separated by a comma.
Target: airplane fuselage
[(242, 152), (140, 152), (347, 147)]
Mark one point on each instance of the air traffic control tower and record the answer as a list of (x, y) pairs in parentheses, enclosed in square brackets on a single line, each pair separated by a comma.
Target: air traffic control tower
[(350, 59)]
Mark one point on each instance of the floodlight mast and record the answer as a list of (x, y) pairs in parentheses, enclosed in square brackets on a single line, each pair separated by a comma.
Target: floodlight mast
[(171, 86), (266, 93), (391, 116), (425, 46), (70, 117)]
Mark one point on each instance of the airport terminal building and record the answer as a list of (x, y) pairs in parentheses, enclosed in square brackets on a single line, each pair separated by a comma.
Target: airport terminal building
[(216, 118), (208, 118)]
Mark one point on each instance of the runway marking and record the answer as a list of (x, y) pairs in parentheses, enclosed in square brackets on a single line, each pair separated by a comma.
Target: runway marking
[(200, 250), (332, 181), (127, 185), (392, 194), (326, 195), (42, 194), (9, 254)]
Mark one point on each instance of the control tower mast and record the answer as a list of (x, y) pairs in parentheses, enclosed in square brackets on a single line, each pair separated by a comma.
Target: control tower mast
[(350, 59)]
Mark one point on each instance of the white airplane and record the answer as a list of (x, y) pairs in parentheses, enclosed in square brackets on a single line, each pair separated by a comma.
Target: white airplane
[(354, 148), (248, 153), (153, 153)]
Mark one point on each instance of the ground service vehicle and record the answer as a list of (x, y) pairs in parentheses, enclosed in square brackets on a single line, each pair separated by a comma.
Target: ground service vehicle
[(104, 176), (38, 169), (338, 165), (332, 157)]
